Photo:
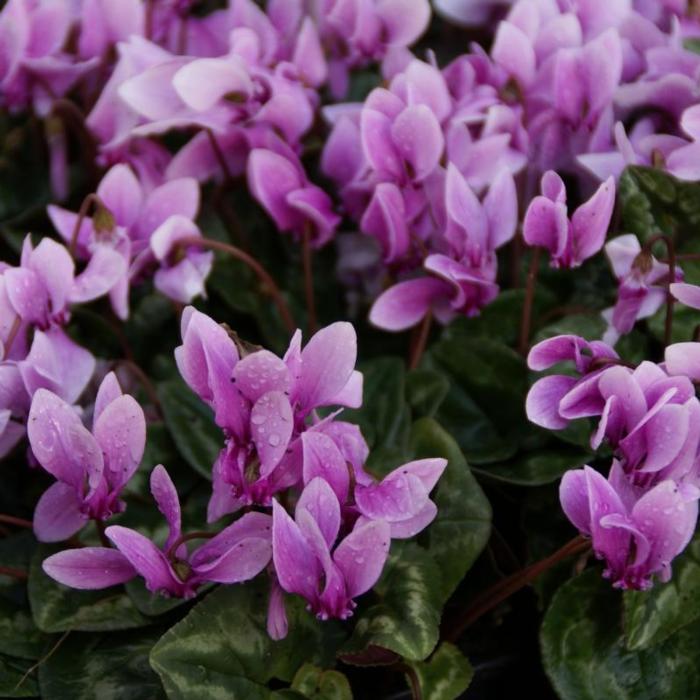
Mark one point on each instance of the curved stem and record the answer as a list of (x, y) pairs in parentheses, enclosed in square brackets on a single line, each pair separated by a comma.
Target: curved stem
[(145, 382), (197, 535), (526, 319), (307, 262), (14, 573), (497, 593), (18, 522), (670, 301), (90, 200), (263, 275), (14, 330), (100, 527), (420, 341)]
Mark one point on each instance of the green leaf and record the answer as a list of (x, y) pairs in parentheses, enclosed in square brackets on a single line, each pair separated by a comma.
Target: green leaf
[(484, 409), (221, 649), (316, 684), (18, 633), (652, 616), (653, 201), (110, 666), (425, 391), (57, 608), (407, 617), (191, 426), (151, 604), (445, 675), (536, 468), (585, 656), (463, 523), (14, 681)]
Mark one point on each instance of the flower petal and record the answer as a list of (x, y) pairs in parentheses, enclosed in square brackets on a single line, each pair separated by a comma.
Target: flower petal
[(89, 568)]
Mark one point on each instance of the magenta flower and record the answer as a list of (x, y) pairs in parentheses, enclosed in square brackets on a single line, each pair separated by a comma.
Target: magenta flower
[(464, 276), (642, 285), (54, 362), (569, 241), (263, 402), (637, 533), (310, 564), (142, 230), (688, 294), (402, 497), (280, 184), (649, 418), (91, 468), (238, 553), (44, 285)]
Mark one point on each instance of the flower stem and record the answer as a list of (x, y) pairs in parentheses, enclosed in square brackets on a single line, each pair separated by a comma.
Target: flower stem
[(503, 589), (145, 382), (89, 201), (263, 275), (420, 340), (14, 330), (307, 263), (526, 319), (18, 522), (14, 573), (197, 535), (100, 527), (671, 262)]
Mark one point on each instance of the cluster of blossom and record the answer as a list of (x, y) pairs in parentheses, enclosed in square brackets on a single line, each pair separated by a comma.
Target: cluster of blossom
[(561, 78), (277, 450), (645, 512)]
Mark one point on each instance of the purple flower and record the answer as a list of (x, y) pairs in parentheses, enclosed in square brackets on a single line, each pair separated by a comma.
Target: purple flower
[(569, 241), (238, 553), (642, 285), (401, 498), (310, 564), (650, 419), (263, 404), (44, 285), (91, 468), (688, 294), (280, 184), (135, 229), (54, 362), (637, 533), (463, 276)]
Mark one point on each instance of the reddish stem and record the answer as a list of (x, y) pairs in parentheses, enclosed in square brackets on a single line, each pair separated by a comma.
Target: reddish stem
[(18, 522), (503, 589), (671, 262), (197, 535), (307, 262), (14, 573), (145, 382), (526, 319), (420, 340), (14, 330), (263, 275), (90, 200)]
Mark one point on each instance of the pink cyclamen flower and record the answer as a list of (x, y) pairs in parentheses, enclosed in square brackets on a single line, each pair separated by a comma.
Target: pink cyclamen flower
[(463, 278), (280, 184), (263, 404), (142, 232), (637, 533), (53, 362), (44, 285), (91, 467), (650, 418), (238, 553), (642, 285), (402, 497), (310, 564), (569, 241)]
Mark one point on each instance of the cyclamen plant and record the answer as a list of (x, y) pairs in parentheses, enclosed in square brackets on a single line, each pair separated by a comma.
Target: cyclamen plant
[(224, 223)]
